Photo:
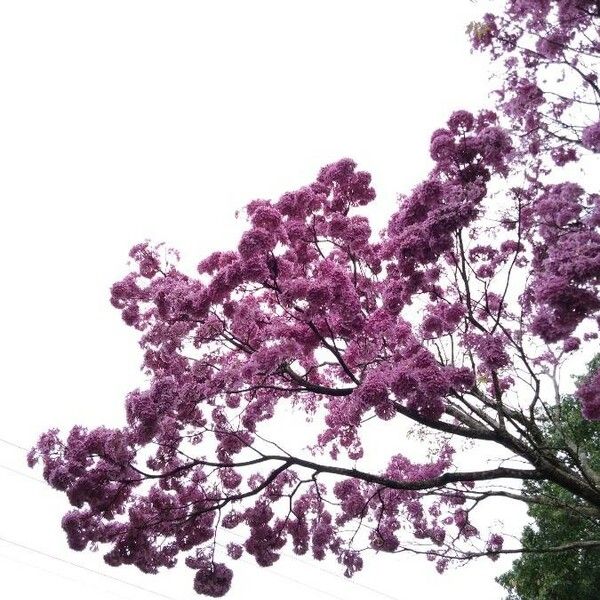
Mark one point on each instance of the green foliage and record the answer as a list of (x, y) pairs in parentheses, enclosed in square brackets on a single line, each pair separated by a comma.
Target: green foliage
[(560, 575)]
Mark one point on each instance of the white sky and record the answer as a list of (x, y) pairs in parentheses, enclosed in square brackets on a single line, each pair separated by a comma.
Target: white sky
[(124, 120)]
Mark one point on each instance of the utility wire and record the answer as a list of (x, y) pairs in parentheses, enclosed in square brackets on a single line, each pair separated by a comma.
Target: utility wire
[(83, 568), (57, 574), (9, 443), (17, 472)]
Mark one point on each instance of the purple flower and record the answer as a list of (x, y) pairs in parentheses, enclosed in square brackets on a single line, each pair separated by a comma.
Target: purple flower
[(590, 137), (213, 579)]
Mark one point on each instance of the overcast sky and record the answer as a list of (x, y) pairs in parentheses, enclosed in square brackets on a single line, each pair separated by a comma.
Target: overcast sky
[(123, 120)]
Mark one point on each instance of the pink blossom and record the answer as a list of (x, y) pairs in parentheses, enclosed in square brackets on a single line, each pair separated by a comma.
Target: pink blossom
[(591, 137), (213, 579)]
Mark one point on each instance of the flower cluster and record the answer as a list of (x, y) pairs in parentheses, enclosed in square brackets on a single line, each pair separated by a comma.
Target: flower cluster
[(589, 396), (550, 62)]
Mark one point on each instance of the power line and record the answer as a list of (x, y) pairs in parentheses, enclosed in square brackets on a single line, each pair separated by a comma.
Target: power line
[(9, 443), (57, 574), (17, 472), (83, 568)]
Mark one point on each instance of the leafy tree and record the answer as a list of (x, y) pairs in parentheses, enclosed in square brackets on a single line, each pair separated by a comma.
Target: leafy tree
[(556, 575), (457, 319)]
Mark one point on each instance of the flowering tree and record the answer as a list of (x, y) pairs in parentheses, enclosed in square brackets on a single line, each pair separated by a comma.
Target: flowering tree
[(456, 320)]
